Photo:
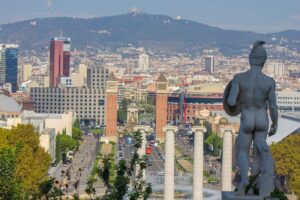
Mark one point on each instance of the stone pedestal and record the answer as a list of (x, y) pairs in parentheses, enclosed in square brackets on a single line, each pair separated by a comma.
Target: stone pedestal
[(198, 162), (227, 161), (232, 196), (169, 162)]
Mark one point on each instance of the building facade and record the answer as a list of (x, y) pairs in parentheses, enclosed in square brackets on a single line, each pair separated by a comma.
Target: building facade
[(143, 61), (209, 64), (88, 103), (97, 77), (288, 101), (192, 105), (9, 65), (59, 59)]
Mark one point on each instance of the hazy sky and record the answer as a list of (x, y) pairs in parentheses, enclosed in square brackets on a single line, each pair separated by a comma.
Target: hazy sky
[(254, 15)]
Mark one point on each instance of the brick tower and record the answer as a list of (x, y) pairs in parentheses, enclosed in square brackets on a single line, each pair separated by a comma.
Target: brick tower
[(161, 106), (111, 107)]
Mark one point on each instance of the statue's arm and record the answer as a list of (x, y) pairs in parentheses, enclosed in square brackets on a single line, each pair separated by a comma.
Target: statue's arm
[(234, 92), (273, 109)]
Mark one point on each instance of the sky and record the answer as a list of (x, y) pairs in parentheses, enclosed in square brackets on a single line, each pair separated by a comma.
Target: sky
[(262, 16)]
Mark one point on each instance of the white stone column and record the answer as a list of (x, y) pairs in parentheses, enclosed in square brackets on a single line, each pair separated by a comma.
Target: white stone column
[(169, 162), (198, 162), (227, 161)]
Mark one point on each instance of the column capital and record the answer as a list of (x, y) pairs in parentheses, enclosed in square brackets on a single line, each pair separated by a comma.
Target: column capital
[(170, 128), (199, 129), (141, 128), (229, 129)]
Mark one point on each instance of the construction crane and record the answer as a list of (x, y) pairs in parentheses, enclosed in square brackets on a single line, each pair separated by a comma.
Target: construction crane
[(48, 5)]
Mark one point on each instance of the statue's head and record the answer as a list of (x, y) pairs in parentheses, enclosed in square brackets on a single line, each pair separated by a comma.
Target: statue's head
[(258, 54)]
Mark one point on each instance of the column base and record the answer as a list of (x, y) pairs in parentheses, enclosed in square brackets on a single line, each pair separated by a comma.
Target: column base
[(232, 196), (108, 139)]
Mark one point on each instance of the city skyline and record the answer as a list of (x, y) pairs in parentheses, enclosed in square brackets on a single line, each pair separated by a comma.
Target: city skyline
[(255, 16)]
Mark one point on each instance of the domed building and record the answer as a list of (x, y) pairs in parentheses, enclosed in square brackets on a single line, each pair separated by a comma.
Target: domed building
[(8, 107), (223, 121)]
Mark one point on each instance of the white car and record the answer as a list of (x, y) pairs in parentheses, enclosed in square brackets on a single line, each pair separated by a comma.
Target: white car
[(161, 173)]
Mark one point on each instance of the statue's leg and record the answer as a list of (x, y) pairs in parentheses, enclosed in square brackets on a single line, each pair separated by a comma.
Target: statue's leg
[(266, 180), (243, 146), (255, 167)]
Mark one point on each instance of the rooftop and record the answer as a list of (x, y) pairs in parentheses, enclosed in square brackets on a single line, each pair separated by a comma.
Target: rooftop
[(8, 104)]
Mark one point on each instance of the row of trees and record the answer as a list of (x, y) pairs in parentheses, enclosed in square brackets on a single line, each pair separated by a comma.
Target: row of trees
[(23, 164), (66, 143), (128, 182), (287, 161)]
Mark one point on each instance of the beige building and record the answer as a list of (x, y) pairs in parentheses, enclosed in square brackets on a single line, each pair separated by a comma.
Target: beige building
[(206, 88), (27, 71), (42, 121), (135, 94), (48, 142)]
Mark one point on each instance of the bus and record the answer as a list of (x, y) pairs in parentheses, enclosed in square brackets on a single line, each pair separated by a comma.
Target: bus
[(148, 150)]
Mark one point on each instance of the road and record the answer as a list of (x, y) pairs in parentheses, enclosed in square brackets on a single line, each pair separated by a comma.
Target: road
[(127, 150), (77, 172)]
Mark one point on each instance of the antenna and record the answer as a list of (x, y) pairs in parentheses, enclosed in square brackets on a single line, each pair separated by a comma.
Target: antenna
[(48, 5)]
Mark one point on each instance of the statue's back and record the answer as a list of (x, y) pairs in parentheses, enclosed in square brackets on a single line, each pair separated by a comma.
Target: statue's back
[(254, 89)]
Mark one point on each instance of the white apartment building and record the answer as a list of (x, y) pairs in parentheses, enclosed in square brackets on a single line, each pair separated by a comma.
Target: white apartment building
[(143, 61), (288, 101)]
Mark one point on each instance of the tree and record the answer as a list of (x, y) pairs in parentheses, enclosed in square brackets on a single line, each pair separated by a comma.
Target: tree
[(90, 190), (141, 189), (76, 123), (287, 160), (121, 116), (76, 133), (197, 122), (9, 189), (58, 150), (76, 196), (31, 161), (118, 189), (216, 141), (67, 142), (45, 188), (121, 181)]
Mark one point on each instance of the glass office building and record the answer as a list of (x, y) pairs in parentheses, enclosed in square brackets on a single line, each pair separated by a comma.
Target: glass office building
[(9, 65)]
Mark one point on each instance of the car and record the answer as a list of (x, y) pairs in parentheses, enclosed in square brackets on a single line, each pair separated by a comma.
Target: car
[(132, 152), (161, 173), (149, 163)]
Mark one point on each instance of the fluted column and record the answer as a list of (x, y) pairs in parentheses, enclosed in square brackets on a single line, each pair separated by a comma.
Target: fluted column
[(227, 161), (198, 162), (169, 162)]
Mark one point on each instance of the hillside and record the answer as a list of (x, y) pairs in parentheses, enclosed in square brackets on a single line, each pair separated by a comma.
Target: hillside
[(157, 32)]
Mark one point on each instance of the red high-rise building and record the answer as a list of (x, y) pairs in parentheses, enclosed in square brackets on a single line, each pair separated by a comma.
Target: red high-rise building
[(59, 59)]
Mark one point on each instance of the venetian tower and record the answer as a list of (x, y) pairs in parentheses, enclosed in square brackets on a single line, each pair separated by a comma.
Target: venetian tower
[(161, 106), (111, 108)]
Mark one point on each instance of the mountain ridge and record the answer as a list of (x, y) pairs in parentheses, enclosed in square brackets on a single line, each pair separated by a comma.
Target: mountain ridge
[(157, 32)]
